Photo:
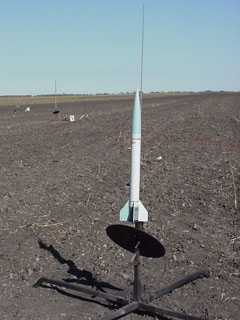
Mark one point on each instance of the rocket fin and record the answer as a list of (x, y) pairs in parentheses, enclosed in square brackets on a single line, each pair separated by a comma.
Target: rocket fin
[(141, 214), (126, 213), (137, 213)]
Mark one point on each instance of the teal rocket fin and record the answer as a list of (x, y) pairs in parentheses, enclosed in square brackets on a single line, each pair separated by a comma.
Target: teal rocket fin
[(126, 213)]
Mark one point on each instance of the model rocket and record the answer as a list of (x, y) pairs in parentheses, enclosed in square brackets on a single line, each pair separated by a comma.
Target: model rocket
[(134, 210)]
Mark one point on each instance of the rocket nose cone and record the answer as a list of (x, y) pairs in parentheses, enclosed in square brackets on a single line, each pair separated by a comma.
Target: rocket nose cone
[(137, 100)]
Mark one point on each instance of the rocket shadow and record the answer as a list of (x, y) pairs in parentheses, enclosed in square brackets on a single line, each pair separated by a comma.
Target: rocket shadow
[(84, 277)]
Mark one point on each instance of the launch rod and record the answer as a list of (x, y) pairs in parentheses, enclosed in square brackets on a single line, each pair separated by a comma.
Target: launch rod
[(55, 95), (139, 225), (142, 53)]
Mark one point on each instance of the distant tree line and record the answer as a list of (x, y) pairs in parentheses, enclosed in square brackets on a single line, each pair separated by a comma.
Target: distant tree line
[(15, 96)]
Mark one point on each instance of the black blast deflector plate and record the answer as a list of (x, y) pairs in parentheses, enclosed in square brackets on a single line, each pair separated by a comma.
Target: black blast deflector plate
[(129, 238)]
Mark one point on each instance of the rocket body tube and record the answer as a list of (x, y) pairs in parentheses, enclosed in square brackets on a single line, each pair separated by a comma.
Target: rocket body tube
[(135, 169)]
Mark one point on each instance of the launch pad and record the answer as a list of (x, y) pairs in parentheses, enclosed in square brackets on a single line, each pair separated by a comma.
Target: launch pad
[(140, 243)]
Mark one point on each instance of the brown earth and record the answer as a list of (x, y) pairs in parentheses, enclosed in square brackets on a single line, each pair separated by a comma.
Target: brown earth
[(63, 183)]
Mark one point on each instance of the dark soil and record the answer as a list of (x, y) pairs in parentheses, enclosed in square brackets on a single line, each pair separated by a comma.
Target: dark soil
[(63, 183)]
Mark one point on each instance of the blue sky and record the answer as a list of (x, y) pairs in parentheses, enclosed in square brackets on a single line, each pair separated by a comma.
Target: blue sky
[(94, 46)]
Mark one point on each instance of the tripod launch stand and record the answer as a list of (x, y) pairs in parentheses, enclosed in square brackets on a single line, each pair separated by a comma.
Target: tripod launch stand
[(141, 244)]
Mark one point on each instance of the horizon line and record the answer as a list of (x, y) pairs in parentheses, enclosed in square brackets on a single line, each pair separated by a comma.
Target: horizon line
[(106, 93)]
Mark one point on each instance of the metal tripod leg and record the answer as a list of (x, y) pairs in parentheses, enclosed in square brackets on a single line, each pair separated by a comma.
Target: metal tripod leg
[(178, 284), (122, 311), (155, 309), (81, 288)]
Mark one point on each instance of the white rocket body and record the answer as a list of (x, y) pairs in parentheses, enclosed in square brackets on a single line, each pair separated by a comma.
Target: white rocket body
[(134, 210)]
